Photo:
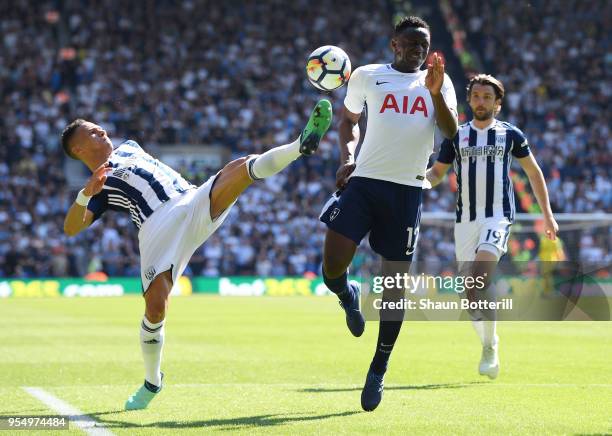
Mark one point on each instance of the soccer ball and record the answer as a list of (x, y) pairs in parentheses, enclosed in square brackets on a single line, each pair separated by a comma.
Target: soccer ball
[(328, 68)]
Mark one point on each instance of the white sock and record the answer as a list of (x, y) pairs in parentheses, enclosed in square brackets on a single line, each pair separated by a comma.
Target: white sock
[(151, 343), (486, 332), (489, 338), (273, 161), (479, 328)]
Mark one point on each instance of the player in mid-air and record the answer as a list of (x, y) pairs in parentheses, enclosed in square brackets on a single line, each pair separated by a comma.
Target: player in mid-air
[(380, 192), (482, 153), (173, 216)]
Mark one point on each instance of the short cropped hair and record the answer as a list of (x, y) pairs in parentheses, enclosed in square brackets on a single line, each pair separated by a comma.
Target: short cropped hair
[(67, 135), (409, 22), (487, 79)]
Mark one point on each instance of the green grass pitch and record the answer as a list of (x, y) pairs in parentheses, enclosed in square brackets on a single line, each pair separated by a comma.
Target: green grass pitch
[(288, 365)]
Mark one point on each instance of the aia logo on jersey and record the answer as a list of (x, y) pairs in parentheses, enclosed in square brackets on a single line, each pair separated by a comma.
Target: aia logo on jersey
[(418, 105)]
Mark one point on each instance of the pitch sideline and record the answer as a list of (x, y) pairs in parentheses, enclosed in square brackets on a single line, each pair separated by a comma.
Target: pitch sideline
[(75, 416)]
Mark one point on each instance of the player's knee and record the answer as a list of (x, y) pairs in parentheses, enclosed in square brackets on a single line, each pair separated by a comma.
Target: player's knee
[(156, 301), (155, 310), (334, 265), (338, 253), (242, 160), (234, 174), (229, 170)]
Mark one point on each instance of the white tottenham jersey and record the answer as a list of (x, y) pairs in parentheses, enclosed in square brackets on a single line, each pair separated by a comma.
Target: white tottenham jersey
[(137, 184), (482, 159), (400, 127)]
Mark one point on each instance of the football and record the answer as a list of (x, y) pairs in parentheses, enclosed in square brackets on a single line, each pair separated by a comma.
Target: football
[(328, 67)]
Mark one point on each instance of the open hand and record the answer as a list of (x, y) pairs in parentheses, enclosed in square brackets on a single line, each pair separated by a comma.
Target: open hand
[(96, 181), (435, 74)]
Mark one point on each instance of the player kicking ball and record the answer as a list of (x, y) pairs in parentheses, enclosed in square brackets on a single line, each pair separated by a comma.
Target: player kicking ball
[(173, 217), (482, 153)]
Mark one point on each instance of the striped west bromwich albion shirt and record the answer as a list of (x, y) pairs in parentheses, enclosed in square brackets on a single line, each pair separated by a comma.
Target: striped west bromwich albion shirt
[(482, 159), (137, 184)]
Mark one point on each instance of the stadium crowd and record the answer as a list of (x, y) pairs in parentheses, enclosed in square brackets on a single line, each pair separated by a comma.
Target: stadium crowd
[(231, 74)]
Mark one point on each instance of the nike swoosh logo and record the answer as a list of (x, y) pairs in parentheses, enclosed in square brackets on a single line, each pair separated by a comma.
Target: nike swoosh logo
[(380, 83)]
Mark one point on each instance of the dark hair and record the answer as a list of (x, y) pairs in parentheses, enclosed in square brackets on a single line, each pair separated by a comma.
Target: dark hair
[(487, 79), (67, 135), (408, 22)]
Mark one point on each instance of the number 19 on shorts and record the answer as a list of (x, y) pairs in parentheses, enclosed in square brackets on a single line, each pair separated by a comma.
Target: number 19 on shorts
[(413, 235), (497, 238)]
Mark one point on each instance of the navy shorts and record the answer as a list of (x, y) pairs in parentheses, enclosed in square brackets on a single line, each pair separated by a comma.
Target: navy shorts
[(391, 212)]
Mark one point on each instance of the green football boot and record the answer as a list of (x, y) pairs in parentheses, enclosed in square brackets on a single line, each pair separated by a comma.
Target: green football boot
[(319, 122), (143, 396)]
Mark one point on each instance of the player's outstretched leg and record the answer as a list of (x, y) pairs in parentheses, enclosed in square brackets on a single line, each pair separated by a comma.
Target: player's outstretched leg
[(239, 174), (152, 341), (278, 158), (338, 253)]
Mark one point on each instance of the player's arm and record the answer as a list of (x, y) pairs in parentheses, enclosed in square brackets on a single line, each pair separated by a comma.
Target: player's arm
[(446, 118), (436, 173), (79, 217), (538, 185), (348, 132), (348, 129)]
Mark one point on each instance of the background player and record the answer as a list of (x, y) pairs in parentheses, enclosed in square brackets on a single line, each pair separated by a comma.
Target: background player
[(482, 153), (380, 192), (173, 217)]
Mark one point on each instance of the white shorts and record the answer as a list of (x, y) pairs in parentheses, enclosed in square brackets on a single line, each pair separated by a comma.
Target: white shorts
[(170, 236), (490, 234)]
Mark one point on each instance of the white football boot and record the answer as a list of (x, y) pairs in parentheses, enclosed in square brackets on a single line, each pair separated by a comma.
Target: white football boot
[(489, 361)]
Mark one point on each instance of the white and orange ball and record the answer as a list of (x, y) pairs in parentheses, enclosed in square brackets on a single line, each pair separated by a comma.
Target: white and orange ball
[(328, 68)]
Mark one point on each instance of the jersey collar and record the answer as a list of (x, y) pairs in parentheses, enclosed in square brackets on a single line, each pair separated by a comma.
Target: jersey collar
[(390, 67), (486, 128)]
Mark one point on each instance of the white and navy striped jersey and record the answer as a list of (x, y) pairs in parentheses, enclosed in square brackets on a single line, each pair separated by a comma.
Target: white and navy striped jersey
[(137, 184), (482, 159)]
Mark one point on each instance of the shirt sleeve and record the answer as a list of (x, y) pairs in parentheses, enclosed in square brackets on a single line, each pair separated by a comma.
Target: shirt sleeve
[(447, 151), (355, 94), (520, 146), (448, 92), (98, 204)]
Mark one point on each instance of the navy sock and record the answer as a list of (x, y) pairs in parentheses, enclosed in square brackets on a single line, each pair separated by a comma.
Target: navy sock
[(388, 331), (338, 286), (152, 387)]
